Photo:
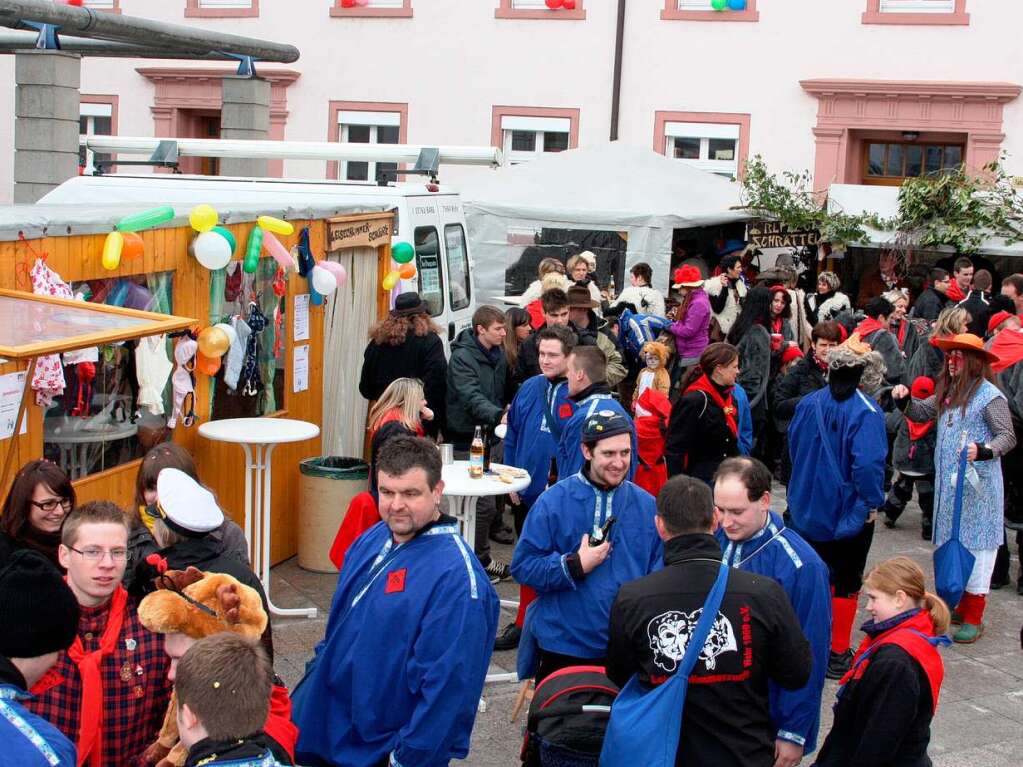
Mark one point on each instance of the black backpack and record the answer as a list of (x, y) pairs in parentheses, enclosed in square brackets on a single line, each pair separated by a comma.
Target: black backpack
[(568, 717)]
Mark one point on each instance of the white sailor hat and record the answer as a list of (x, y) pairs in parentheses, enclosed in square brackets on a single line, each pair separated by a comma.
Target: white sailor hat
[(185, 506)]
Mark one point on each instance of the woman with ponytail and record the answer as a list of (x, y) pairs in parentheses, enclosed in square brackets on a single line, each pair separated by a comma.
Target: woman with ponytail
[(889, 695), (704, 426)]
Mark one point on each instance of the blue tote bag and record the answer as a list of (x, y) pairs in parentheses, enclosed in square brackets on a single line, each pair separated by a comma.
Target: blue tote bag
[(646, 722), (953, 562)]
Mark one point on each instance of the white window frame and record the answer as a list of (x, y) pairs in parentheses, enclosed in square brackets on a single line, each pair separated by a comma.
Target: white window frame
[(373, 120), (537, 125), (705, 132), (694, 5), (90, 111), (101, 5), (222, 4), (917, 6), (385, 4), (529, 5)]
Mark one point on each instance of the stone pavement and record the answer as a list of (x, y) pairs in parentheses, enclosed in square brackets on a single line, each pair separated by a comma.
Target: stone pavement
[(979, 721)]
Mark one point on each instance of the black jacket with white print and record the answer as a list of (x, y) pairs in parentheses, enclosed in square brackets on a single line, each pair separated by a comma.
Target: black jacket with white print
[(757, 637)]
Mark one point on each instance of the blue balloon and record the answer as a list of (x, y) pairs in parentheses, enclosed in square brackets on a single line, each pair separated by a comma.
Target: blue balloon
[(737, 5)]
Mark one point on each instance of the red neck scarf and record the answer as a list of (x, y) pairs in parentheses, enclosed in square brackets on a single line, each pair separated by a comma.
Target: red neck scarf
[(1008, 345), (901, 333), (395, 414), (868, 326), (918, 430), (776, 325), (90, 728), (954, 292), (704, 384)]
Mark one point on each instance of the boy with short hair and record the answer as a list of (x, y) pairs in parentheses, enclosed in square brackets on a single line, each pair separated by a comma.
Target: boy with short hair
[(223, 689)]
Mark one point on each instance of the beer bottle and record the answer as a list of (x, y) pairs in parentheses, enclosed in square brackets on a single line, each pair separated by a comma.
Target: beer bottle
[(476, 455)]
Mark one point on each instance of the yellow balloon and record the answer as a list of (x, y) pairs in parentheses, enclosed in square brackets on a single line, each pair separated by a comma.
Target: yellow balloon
[(214, 342), (275, 225), (390, 280), (112, 248), (203, 218)]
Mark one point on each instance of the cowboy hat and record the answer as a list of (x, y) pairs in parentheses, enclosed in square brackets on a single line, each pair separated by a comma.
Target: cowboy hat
[(966, 342), (579, 298)]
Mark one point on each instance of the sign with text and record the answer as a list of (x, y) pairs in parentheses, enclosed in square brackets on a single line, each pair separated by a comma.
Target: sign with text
[(774, 234), (357, 234)]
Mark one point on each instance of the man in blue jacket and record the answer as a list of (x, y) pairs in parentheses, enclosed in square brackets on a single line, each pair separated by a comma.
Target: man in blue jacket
[(398, 676), (39, 616), (838, 445), (535, 420), (574, 566), (756, 540), (588, 390)]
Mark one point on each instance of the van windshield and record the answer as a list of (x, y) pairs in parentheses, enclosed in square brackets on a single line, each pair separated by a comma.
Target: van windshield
[(431, 280)]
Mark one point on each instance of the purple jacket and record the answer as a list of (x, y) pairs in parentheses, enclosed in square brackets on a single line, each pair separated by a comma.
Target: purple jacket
[(691, 330)]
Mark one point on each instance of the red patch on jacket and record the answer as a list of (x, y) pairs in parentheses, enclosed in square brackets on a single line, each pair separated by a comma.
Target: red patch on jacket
[(395, 581), (565, 411)]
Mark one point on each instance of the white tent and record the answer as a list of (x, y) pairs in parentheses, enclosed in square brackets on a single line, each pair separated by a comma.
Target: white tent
[(613, 187)]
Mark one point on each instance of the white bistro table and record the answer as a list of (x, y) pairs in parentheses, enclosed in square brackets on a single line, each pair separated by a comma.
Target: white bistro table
[(258, 437), (463, 492)]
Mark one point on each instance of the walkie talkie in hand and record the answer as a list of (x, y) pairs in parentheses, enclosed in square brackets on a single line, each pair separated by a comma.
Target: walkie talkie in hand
[(603, 534)]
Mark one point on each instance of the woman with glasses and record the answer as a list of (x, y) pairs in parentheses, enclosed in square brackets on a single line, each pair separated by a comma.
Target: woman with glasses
[(40, 498)]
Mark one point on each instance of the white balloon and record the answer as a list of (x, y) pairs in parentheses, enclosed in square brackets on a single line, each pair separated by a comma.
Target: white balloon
[(229, 331), (324, 282), (211, 250)]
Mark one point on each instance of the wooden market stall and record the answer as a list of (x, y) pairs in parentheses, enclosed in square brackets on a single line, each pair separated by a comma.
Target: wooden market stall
[(97, 429)]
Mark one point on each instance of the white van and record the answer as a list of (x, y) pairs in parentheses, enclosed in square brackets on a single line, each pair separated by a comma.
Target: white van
[(433, 221)]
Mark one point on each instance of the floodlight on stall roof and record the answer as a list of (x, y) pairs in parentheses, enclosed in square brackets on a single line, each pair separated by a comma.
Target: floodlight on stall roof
[(31, 325)]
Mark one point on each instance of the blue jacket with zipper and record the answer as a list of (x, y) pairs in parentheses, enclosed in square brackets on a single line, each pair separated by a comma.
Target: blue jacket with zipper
[(570, 453), (535, 420)]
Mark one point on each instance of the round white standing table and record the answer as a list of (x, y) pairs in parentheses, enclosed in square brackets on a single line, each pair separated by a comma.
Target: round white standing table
[(258, 437), (463, 492)]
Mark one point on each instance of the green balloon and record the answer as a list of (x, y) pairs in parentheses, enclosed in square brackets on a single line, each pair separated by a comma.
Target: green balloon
[(252, 250), (146, 219), (403, 252), (719, 5), (226, 234)]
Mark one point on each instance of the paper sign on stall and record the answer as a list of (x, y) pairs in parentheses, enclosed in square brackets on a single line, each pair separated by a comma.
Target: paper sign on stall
[(12, 386), (300, 369), (301, 328)]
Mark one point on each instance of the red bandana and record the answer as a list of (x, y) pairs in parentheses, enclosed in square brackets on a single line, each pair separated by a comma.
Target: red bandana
[(954, 292), (868, 326), (727, 406), (1008, 345), (918, 430)]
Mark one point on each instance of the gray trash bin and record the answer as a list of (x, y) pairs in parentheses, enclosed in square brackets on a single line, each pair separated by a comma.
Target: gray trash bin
[(326, 486)]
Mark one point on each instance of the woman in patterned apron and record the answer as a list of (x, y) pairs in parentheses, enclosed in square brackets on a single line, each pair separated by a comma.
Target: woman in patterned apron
[(970, 411)]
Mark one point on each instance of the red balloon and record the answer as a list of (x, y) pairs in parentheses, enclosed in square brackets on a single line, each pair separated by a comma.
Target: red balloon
[(75, 2), (555, 4), (347, 3), (569, 5)]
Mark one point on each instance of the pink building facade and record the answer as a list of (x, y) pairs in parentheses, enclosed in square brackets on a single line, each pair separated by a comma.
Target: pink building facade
[(859, 91)]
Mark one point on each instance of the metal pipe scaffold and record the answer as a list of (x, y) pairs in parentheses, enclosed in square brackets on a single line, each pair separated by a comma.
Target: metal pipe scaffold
[(13, 41)]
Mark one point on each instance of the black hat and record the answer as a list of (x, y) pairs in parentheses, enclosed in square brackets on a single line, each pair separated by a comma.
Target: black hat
[(604, 424), (38, 611), (409, 304)]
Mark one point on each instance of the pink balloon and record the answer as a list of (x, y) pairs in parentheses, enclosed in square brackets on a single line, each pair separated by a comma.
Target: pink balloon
[(336, 269), (277, 250), (362, 2)]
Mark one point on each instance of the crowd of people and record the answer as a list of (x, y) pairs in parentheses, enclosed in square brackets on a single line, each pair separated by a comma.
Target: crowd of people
[(655, 430)]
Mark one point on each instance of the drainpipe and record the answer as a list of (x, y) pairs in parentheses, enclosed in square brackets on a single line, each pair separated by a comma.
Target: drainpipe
[(616, 82)]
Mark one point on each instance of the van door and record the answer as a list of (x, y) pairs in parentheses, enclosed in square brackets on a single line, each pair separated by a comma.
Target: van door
[(458, 265)]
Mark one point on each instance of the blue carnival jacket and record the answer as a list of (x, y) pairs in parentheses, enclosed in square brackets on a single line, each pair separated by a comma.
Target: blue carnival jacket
[(535, 421), (401, 667), (571, 616), (741, 399), (778, 552), (838, 452), (27, 740), (570, 453)]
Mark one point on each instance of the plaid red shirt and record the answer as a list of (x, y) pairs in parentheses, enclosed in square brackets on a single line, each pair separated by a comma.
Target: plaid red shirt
[(135, 687)]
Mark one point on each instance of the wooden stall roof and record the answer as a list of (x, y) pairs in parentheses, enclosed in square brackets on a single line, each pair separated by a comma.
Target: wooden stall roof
[(31, 325)]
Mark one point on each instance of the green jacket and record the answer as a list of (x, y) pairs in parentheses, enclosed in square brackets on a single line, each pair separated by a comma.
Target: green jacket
[(476, 384)]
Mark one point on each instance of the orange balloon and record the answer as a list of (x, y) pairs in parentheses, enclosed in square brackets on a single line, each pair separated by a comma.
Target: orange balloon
[(133, 246), (206, 365), (407, 271)]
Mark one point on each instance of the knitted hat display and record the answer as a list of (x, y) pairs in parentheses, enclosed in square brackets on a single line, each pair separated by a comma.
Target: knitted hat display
[(38, 612)]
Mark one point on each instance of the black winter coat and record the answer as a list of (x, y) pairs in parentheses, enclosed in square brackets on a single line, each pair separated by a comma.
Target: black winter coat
[(926, 361), (757, 638), (804, 377), (476, 383), (698, 438), (929, 304), (977, 304), (887, 345), (419, 357)]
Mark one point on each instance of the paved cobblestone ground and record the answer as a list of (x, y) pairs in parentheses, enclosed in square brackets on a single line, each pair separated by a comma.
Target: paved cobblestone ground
[(979, 722)]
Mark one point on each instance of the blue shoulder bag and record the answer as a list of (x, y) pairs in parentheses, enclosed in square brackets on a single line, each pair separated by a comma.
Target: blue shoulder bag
[(953, 562)]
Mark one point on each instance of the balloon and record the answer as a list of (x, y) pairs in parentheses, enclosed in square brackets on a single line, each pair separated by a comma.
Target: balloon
[(390, 280), (555, 4), (737, 5), (206, 365), (230, 332), (402, 252), (278, 251), (719, 5), (347, 3), (323, 280), (340, 275), (275, 225), (362, 3), (252, 250), (226, 234), (211, 250), (112, 248), (76, 3), (203, 218), (569, 5), (133, 245), (146, 219), (213, 342), (407, 271)]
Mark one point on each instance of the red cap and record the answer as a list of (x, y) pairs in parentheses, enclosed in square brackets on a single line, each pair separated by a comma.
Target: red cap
[(790, 354), (997, 319), (922, 388)]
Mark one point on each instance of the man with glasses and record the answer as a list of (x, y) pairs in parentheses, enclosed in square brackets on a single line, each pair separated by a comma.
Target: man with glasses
[(108, 693)]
